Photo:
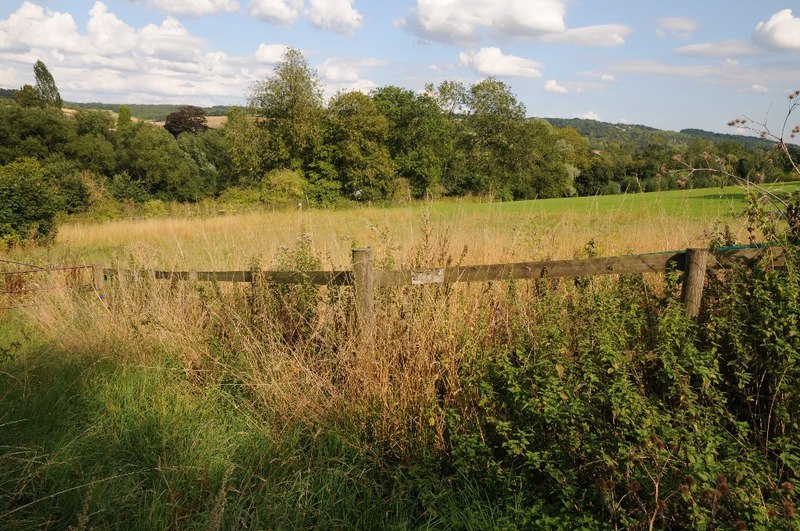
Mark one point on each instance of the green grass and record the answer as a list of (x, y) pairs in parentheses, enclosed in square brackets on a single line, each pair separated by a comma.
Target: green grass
[(702, 203), (87, 441)]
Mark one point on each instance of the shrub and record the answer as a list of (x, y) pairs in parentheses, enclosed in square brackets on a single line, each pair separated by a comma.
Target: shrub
[(28, 204), (283, 187)]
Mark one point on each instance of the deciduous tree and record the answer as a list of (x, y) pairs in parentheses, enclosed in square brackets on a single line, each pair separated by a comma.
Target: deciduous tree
[(187, 119), (289, 104), (46, 85), (356, 136)]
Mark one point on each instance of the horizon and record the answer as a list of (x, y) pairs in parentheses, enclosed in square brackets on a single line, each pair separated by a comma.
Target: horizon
[(671, 67)]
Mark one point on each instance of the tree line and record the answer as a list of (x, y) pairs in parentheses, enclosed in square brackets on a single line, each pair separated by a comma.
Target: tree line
[(290, 146)]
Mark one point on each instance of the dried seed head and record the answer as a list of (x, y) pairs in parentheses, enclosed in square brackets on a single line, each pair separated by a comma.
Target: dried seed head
[(788, 509)]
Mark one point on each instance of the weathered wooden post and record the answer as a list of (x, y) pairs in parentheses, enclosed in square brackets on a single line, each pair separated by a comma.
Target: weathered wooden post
[(98, 278), (694, 277), (364, 286)]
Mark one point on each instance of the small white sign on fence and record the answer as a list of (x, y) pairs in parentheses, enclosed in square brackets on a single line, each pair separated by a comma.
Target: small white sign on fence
[(427, 276)]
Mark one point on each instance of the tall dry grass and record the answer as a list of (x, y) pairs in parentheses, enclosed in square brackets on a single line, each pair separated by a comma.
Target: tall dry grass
[(488, 232), (293, 353)]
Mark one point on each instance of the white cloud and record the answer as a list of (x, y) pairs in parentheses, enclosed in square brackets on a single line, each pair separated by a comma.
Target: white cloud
[(551, 85), (780, 32), (270, 53), (756, 89), (334, 15), (572, 87), (603, 36), (681, 27), (276, 11), (33, 27), (466, 21), (109, 60), (462, 21), (721, 49), (589, 115), (345, 75), (108, 33), (658, 68), (604, 77), (492, 62), (194, 8), (723, 73), (170, 41)]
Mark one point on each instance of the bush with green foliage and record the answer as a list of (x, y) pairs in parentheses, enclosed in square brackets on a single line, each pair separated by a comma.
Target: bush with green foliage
[(283, 187), (28, 203), (608, 408)]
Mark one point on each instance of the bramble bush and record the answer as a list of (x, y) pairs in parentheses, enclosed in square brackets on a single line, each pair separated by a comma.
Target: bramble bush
[(609, 408)]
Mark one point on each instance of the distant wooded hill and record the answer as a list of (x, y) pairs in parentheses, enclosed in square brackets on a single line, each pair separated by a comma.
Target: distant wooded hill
[(155, 113), (603, 133)]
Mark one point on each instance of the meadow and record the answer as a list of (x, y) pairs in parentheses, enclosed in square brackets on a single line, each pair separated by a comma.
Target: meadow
[(590, 403), (202, 237)]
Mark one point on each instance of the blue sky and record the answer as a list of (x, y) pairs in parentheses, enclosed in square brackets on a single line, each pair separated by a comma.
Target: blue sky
[(669, 65)]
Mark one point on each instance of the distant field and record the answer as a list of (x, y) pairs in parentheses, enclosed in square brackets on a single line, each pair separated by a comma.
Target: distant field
[(482, 232)]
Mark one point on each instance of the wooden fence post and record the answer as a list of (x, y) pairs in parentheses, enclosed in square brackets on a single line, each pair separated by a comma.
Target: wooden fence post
[(364, 285), (98, 278), (694, 277)]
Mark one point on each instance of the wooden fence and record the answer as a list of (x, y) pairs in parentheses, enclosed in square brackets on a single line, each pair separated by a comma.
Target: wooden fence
[(365, 278)]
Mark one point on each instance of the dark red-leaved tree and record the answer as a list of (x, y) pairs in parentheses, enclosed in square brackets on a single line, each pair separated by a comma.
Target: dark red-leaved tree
[(189, 119)]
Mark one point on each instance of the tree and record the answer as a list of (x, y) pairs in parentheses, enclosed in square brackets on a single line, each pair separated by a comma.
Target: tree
[(290, 106), (246, 146), (355, 146), (28, 97), (27, 203), (420, 137), (46, 85), (153, 158), (123, 118), (493, 126), (187, 119)]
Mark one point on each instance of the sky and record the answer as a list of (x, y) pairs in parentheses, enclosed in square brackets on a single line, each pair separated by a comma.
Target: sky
[(671, 65)]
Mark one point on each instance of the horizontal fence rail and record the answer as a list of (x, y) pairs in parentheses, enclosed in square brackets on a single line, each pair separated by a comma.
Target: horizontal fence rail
[(364, 278), (22, 285), (615, 265)]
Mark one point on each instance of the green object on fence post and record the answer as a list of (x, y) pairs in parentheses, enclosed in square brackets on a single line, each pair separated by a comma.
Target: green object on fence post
[(364, 288), (694, 277)]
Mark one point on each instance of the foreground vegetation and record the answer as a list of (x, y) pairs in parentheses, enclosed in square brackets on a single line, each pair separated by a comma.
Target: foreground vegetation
[(553, 405)]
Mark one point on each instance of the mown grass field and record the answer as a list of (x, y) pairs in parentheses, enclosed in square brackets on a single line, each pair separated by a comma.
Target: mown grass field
[(550, 405)]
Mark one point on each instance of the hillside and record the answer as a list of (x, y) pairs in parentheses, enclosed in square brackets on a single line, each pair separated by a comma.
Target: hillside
[(600, 133), (155, 113)]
